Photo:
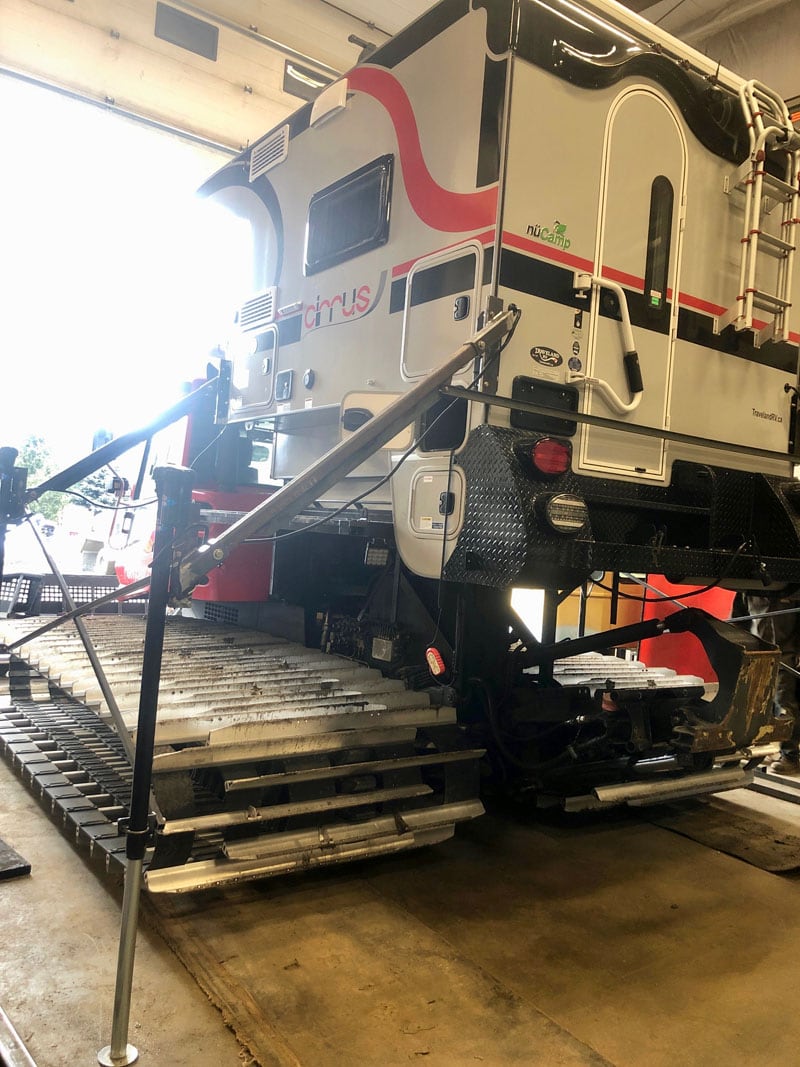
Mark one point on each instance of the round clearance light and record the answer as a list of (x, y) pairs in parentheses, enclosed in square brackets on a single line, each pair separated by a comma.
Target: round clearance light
[(551, 456), (566, 513)]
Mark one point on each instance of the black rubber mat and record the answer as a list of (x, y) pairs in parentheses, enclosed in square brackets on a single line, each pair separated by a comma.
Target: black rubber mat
[(12, 865), (752, 837)]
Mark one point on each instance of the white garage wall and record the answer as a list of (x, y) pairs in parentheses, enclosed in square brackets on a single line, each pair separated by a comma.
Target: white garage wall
[(107, 50), (766, 47)]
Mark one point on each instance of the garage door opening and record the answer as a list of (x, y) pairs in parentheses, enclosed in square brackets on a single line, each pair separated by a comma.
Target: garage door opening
[(115, 282)]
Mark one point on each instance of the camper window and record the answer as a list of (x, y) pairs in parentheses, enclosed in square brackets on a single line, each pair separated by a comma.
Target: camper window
[(349, 217), (659, 233)]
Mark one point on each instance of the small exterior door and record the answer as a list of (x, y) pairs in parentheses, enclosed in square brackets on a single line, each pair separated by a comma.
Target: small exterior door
[(441, 308), (639, 236)]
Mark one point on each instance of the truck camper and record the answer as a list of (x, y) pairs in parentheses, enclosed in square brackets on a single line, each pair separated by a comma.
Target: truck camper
[(626, 211), (637, 205)]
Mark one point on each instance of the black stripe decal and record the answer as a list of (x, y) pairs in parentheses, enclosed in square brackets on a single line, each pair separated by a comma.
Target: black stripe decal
[(397, 299), (235, 174), (698, 328), (499, 27), (494, 95), (537, 277), (420, 32), (445, 279), (595, 57), (549, 281)]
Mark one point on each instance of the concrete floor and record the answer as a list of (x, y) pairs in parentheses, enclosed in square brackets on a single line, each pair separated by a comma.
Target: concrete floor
[(59, 932), (521, 942)]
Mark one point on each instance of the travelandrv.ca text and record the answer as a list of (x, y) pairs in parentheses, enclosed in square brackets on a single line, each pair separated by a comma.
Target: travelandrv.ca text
[(769, 416)]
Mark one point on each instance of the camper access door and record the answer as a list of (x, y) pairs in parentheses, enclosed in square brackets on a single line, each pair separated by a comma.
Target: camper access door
[(642, 186), (442, 303)]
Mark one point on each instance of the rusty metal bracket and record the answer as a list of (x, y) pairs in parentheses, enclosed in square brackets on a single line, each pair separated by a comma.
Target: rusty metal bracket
[(742, 713)]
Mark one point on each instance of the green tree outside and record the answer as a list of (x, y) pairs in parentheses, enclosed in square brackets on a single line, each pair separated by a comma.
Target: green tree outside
[(36, 456)]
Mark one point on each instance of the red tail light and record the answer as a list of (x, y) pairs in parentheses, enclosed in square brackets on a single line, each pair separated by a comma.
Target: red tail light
[(435, 660), (551, 456)]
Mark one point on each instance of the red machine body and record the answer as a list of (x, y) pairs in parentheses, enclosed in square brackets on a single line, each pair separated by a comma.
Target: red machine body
[(246, 575), (682, 651)]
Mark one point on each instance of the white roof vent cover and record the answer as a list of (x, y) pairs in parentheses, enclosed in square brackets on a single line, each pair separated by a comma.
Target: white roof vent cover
[(269, 152), (258, 311)]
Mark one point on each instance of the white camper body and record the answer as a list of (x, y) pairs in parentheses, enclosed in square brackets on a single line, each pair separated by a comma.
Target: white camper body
[(571, 160)]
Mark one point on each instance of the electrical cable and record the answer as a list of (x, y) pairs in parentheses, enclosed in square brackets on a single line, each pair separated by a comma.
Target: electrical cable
[(533, 766), (667, 14), (442, 561), (210, 444), (685, 596), (106, 507), (412, 447)]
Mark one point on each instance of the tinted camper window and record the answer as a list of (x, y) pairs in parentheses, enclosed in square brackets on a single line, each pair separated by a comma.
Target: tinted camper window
[(659, 231), (349, 217)]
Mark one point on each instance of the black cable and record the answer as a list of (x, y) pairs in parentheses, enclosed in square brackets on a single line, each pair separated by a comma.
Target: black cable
[(683, 596), (106, 507), (440, 583), (412, 447), (210, 444), (667, 14), (533, 766)]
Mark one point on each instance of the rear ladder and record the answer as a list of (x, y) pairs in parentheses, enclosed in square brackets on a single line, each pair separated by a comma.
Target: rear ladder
[(770, 129)]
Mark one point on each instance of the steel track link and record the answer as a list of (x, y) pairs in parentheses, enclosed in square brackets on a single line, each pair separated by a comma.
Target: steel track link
[(270, 757)]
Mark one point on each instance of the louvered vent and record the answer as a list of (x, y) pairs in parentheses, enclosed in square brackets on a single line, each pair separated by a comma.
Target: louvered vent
[(258, 311), (269, 152)]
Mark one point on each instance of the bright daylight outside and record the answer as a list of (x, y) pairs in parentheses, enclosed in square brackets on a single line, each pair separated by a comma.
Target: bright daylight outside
[(115, 286)]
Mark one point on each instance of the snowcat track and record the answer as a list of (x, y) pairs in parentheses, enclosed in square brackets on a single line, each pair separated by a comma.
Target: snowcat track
[(270, 757)]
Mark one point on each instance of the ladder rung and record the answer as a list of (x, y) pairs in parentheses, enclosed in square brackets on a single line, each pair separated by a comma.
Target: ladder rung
[(768, 301), (770, 244), (778, 184)]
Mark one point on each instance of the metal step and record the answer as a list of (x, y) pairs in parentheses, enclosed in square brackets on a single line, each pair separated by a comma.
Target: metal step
[(257, 739), (778, 185), (746, 173), (768, 301), (773, 246)]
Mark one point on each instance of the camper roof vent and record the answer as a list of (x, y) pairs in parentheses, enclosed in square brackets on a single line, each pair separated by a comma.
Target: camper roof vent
[(258, 311), (269, 152)]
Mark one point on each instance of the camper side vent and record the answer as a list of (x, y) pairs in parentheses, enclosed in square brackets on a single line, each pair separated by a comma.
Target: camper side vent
[(259, 310), (269, 152)]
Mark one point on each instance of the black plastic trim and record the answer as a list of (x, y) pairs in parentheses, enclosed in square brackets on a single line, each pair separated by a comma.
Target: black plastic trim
[(435, 21), (318, 259), (596, 59), (495, 74), (444, 279), (235, 174)]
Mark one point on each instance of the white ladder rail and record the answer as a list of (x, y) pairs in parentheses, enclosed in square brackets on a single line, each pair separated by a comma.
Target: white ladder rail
[(759, 103)]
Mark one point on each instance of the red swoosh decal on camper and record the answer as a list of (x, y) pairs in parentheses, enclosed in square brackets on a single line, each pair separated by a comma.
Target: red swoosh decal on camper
[(438, 207)]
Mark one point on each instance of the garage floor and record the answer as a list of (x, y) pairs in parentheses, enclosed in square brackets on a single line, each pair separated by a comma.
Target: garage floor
[(599, 941)]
